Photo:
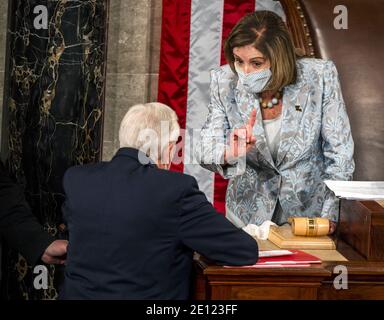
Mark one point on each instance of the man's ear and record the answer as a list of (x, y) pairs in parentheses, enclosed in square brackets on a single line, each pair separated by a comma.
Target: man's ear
[(173, 151), (170, 154), (164, 160)]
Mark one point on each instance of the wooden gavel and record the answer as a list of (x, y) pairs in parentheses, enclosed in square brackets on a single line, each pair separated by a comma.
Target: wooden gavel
[(309, 227)]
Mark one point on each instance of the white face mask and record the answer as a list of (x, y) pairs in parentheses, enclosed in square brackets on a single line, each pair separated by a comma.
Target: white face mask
[(254, 82)]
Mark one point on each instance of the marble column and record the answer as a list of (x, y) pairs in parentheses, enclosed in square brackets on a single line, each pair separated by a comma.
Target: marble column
[(53, 114), (132, 64)]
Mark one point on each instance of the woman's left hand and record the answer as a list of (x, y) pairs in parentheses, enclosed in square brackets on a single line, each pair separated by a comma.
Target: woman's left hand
[(332, 227)]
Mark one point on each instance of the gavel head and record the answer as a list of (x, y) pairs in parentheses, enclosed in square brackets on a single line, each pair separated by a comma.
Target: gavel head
[(309, 227)]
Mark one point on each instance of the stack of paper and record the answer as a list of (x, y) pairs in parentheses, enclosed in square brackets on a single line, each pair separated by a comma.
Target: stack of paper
[(357, 190), (292, 259)]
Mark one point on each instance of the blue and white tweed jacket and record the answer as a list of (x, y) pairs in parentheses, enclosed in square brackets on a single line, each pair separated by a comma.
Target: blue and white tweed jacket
[(315, 145)]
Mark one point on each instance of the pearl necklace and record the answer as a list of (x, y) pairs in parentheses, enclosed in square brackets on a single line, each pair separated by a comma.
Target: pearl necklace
[(272, 103)]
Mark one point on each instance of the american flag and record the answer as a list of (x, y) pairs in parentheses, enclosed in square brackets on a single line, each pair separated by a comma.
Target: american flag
[(192, 37)]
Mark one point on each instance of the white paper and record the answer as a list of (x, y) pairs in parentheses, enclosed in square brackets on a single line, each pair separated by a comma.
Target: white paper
[(274, 253), (357, 190)]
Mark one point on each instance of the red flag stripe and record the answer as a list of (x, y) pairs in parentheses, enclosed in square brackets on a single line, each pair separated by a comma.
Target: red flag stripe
[(234, 10), (174, 59)]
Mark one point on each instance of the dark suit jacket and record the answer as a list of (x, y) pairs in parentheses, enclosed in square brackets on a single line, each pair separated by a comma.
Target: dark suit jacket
[(133, 229), (18, 227)]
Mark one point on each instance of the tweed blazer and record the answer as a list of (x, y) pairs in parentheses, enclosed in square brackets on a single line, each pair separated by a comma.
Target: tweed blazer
[(315, 145)]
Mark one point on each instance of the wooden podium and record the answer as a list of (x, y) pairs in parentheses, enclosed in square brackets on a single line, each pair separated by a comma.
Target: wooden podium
[(362, 227), (359, 249)]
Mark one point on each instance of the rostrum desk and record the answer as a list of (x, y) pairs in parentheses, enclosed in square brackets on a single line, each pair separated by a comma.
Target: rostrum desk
[(365, 277)]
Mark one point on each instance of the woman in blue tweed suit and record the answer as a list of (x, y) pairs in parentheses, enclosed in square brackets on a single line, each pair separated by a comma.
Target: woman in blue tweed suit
[(290, 114)]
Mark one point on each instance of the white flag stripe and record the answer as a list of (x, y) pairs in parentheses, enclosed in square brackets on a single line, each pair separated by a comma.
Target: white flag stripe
[(271, 5), (204, 55)]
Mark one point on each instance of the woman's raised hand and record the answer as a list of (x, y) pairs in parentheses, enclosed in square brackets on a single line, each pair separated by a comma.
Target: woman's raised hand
[(241, 140)]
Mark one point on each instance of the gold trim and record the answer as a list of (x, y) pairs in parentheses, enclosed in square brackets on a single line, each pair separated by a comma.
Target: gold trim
[(307, 33)]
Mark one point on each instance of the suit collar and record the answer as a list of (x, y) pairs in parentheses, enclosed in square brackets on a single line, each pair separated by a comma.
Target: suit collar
[(135, 154)]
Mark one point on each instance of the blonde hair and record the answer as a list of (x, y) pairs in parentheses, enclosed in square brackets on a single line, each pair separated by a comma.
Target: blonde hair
[(150, 128), (267, 32)]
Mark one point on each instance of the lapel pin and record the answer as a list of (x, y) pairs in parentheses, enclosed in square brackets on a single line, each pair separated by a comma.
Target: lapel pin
[(298, 108)]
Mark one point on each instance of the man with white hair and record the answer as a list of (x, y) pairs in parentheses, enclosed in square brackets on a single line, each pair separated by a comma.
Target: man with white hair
[(133, 226)]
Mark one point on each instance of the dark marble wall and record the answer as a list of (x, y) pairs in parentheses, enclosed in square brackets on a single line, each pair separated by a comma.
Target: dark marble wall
[(3, 28), (53, 111)]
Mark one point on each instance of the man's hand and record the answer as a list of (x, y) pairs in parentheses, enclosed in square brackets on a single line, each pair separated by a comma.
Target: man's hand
[(241, 140), (56, 252)]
